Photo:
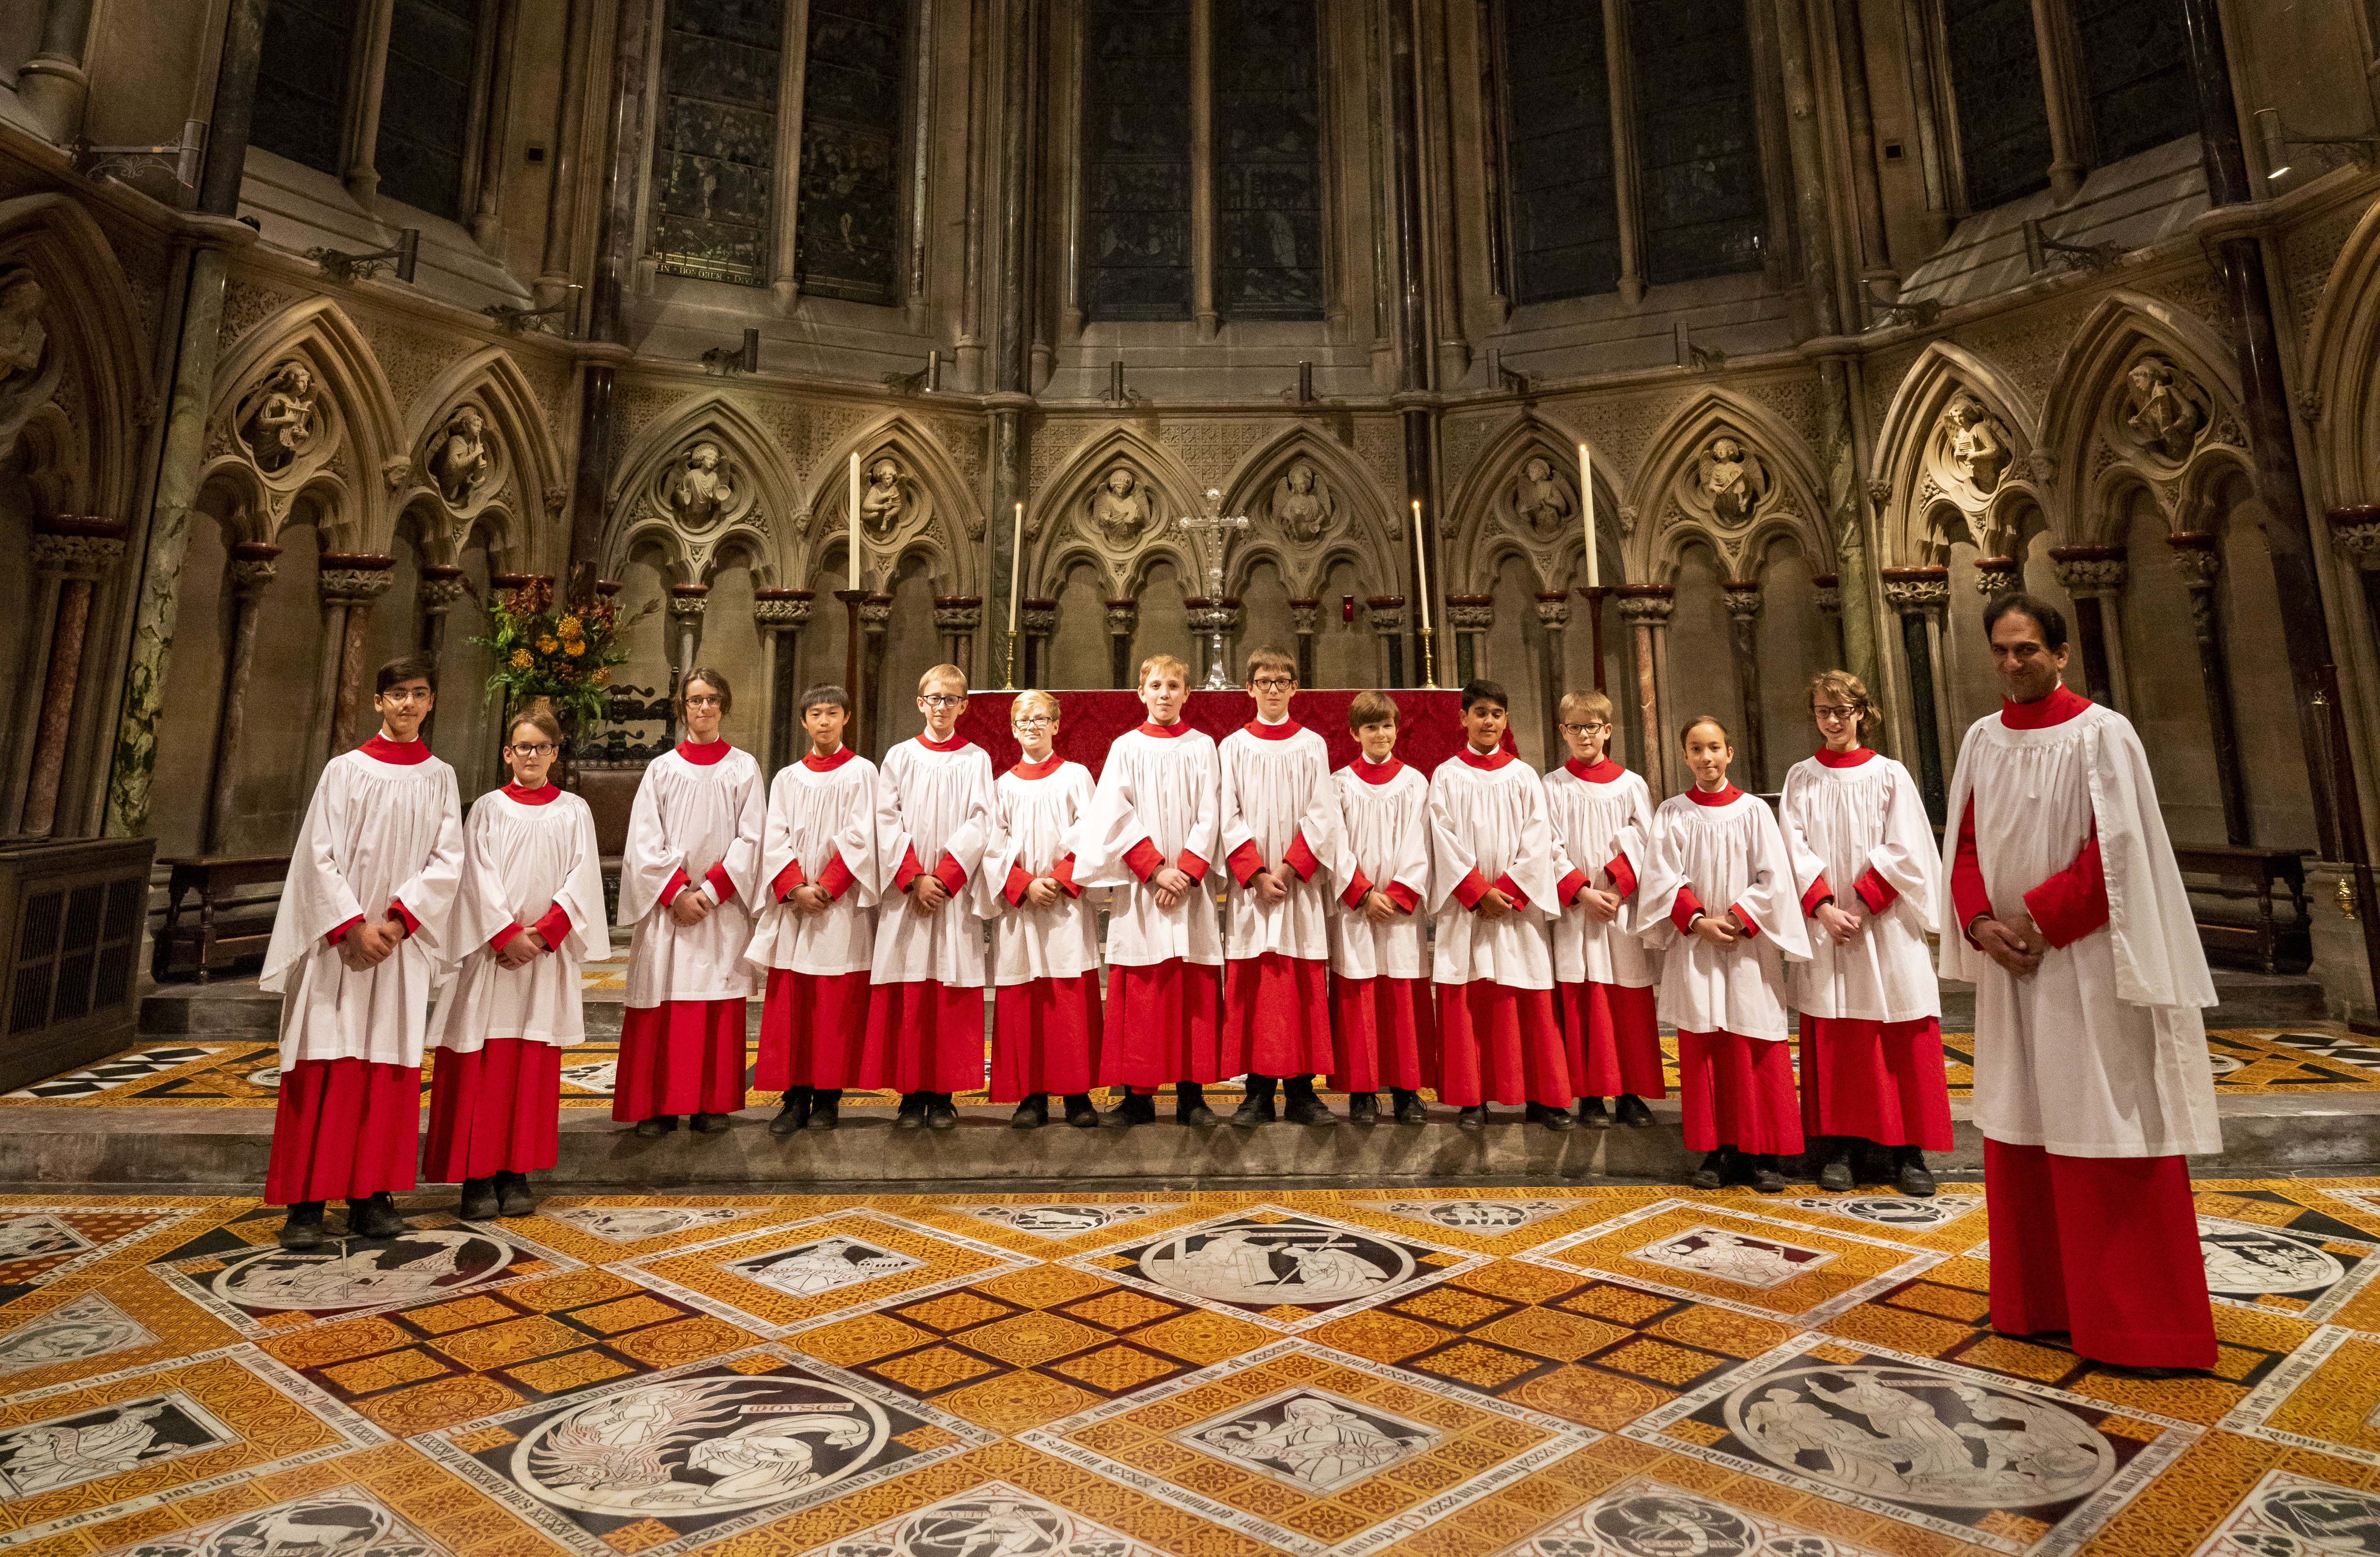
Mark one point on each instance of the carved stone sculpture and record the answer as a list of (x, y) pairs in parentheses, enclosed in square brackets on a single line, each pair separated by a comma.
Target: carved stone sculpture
[(1302, 505), (885, 499), (460, 459), (29, 369), (282, 424), (1732, 481), (703, 487), (2160, 410), (1542, 502), (1120, 509), (1978, 447)]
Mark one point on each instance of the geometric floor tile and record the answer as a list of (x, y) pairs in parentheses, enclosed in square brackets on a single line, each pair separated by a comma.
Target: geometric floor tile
[(2306, 1274), (2325, 1396), (1892, 1211), (1056, 1220), (263, 1291), (636, 1224), (347, 1520), (39, 1244), (1644, 1517), (86, 1327), (1484, 1215), (795, 1276), (1742, 1260)]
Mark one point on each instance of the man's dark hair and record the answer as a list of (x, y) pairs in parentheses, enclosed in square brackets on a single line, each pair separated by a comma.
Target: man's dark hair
[(820, 697), (2047, 617), (423, 667), (1479, 689)]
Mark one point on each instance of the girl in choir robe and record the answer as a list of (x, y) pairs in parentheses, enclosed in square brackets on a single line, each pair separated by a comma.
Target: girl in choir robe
[(933, 818), (1494, 874), (1864, 859), (530, 911), (1284, 845), (1723, 974), (356, 940), (1044, 952), (1604, 977), (687, 880), (1151, 834), (816, 936), (1383, 1020)]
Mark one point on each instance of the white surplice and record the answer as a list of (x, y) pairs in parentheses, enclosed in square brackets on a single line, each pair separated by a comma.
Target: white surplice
[(1733, 857), (1491, 819), (1164, 791), (1595, 821), (816, 816), (374, 833), (1033, 825), (520, 860), (1277, 790), (2101, 1052), (689, 817), (1841, 823), (1388, 839), (930, 804)]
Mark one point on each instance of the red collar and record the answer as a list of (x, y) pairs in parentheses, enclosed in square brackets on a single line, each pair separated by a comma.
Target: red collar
[(818, 764), (543, 794), (1038, 769), (404, 753), (956, 742), (2062, 704), (1279, 731), (1851, 759), (1377, 773), (1163, 731), (1701, 797), (1488, 764), (1600, 772), (708, 754)]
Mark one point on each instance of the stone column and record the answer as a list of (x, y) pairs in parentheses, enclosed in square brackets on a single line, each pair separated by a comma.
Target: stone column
[(2356, 532), (957, 617), (1124, 617), (441, 591), (1646, 608), (1827, 591), (1037, 620), (2053, 34), (1207, 622), (1919, 595), (2094, 576), (2195, 557), (1387, 615), (1743, 629), (686, 605), (875, 620), (1469, 618), (780, 614), (251, 573), (53, 83), (70, 555), (368, 75), (1305, 617), (351, 583), (1553, 615)]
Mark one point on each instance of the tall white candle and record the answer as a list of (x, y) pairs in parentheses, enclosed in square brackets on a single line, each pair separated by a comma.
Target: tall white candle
[(854, 520), (1421, 565), (1586, 504), (1015, 568)]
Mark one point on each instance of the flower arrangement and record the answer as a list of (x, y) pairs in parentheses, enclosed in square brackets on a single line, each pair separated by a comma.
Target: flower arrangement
[(563, 653)]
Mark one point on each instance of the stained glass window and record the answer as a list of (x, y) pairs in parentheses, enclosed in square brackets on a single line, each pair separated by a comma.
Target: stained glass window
[(2135, 61), (1697, 137), (715, 148), (2003, 115), (1135, 229), (1267, 118), (1564, 213), (301, 82), (425, 111), (849, 226)]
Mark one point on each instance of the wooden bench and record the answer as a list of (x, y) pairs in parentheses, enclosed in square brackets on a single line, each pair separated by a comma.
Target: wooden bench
[(213, 941), (2265, 944)]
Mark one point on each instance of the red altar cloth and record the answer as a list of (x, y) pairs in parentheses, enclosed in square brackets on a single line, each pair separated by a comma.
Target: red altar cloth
[(1429, 727)]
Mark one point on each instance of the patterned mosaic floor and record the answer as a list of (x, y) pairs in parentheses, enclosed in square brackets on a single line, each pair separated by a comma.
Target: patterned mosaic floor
[(1593, 1372)]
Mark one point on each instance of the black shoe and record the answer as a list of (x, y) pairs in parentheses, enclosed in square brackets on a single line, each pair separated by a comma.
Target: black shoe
[(912, 1112), (1712, 1175), (708, 1123), (303, 1230), (1835, 1165), (1255, 1108), (1302, 1107), (479, 1202), (1079, 1112), (1409, 1109), (1190, 1107), (1362, 1108), (1632, 1111), (657, 1127), (1911, 1173), (512, 1198), (1474, 1118), (1138, 1108), (824, 1104), (376, 1216), (799, 1101), (1552, 1118), (1765, 1178), (1593, 1114), (941, 1113), (1032, 1113)]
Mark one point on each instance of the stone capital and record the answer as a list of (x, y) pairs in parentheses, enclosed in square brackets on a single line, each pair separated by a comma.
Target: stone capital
[(2084, 571), (354, 577), (76, 557), (441, 588), (1386, 614), (1305, 616), (1471, 613), (1997, 575), (958, 613), (1743, 597), (876, 614), (776, 610), (686, 600), (1036, 618), (1647, 604), (1553, 609), (2195, 557), (1826, 589), (1908, 589), (1123, 616), (2356, 532)]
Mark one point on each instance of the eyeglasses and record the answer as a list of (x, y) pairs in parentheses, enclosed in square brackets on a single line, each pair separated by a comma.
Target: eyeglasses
[(703, 699), (405, 694), (939, 699), (1272, 684), (540, 749), (1034, 722), (1583, 729), (1831, 710)]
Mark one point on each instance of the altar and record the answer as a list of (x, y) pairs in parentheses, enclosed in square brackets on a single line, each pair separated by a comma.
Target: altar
[(1430, 728)]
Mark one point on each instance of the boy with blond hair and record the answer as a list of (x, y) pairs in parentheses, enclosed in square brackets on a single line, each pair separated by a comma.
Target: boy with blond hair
[(1151, 834), (1384, 1022), (1045, 1034)]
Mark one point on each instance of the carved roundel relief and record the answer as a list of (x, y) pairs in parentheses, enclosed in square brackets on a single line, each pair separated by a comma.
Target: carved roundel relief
[(463, 458), (285, 423), (702, 487)]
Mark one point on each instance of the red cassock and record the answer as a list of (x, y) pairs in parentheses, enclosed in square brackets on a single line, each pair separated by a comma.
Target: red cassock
[(1045, 957), (821, 833), (343, 1129), (1613, 1037), (494, 1108), (1160, 1024), (1605, 990), (1383, 1008)]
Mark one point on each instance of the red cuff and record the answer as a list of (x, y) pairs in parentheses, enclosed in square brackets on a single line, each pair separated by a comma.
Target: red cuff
[(671, 888), (1969, 898), (1143, 860), (555, 927), (947, 871), (1683, 912), (908, 872), (2073, 903), (1471, 888), (720, 885), (335, 936), (401, 915), (1301, 858), (1751, 926), (1511, 890), (1357, 890), (787, 879), (1403, 896), (1875, 891), (1245, 862), (496, 942), (1815, 898), (1018, 880), (1566, 891), (836, 879), (1192, 866), (1622, 874), (1063, 874)]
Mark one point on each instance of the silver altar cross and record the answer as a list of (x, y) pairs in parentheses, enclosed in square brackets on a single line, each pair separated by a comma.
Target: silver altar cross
[(1213, 529)]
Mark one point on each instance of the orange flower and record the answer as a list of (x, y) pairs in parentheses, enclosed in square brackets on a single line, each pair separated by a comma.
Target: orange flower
[(523, 659), (602, 676), (576, 647), (546, 645)]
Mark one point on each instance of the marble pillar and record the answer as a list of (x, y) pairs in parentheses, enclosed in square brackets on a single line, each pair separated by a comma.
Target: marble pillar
[(2197, 559), (685, 606), (780, 614), (1553, 616), (1123, 618), (1387, 615), (442, 588), (1826, 592), (351, 584), (71, 556), (957, 619), (2093, 576), (1744, 603), (1305, 619), (1037, 620), (1919, 596), (1470, 618), (875, 620), (1646, 609), (252, 571)]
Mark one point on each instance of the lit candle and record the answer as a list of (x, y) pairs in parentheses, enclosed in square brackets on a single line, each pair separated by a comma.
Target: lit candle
[(1421, 565), (854, 520), (1586, 503), (1015, 568)]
